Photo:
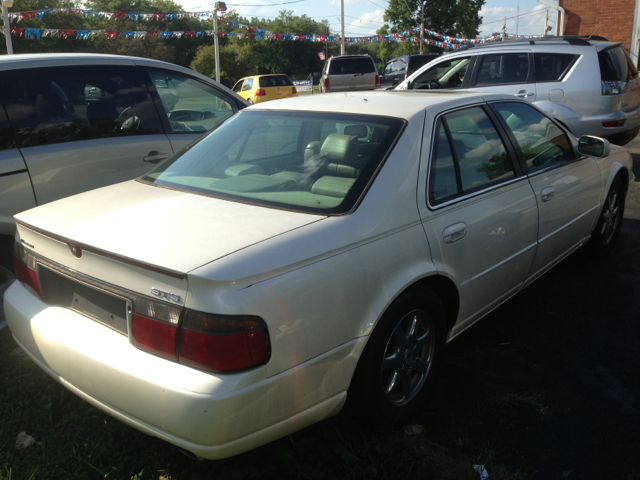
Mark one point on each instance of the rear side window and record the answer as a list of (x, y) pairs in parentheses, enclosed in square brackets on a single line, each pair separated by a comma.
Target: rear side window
[(351, 65), (615, 65), (275, 81), (6, 136), (65, 104), (503, 68), (468, 156), (553, 67)]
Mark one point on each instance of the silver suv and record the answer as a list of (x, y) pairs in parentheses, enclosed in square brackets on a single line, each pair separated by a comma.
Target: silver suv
[(75, 122), (349, 73), (588, 84)]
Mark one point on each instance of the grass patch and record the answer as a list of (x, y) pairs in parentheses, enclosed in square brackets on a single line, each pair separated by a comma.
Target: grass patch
[(74, 440)]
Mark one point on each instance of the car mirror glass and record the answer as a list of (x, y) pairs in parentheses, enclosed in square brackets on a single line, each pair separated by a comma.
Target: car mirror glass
[(593, 146)]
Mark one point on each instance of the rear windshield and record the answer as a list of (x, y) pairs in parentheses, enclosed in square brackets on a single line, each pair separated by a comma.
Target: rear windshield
[(615, 65), (416, 62), (351, 65), (275, 81), (301, 161)]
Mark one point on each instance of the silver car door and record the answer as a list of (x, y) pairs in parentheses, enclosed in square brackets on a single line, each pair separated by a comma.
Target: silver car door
[(479, 212), (567, 187), (510, 73), (74, 139)]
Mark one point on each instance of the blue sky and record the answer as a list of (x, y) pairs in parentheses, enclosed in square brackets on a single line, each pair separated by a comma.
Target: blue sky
[(363, 17)]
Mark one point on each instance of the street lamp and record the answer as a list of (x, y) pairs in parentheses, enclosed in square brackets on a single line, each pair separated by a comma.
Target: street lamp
[(7, 27), (218, 7)]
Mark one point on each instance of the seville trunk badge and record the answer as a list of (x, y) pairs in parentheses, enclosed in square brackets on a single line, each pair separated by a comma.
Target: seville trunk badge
[(76, 250)]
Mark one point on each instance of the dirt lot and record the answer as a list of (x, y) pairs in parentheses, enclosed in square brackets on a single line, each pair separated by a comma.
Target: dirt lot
[(550, 380)]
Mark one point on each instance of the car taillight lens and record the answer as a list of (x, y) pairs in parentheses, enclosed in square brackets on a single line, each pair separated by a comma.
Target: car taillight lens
[(294, 90), (377, 81), (326, 84), (615, 123), (612, 87), (223, 343), (155, 327), (24, 263), (260, 92)]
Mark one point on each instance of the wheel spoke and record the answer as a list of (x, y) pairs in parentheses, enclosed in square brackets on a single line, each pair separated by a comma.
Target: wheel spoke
[(392, 361), (421, 341), (393, 382)]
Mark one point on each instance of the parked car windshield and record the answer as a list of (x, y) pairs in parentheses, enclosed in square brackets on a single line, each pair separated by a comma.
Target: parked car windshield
[(351, 65), (302, 161)]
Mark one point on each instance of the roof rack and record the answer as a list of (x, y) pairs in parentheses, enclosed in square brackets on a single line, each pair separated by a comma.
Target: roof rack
[(583, 40)]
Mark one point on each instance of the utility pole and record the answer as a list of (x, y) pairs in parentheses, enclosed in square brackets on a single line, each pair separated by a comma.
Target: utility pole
[(7, 25), (342, 48), (223, 8), (422, 28), (504, 30), (546, 23)]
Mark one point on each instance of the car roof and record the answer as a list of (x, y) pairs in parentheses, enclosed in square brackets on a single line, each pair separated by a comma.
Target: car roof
[(600, 43), (395, 103)]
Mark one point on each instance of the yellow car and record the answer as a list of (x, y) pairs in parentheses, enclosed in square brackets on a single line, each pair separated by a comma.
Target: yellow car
[(262, 88)]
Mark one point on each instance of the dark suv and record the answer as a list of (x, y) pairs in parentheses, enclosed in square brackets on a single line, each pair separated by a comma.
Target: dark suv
[(347, 73), (399, 68)]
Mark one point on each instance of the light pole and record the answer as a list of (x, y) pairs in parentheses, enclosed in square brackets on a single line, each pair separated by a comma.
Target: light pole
[(342, 49), (222, 7), (422, 28), (7, 27)]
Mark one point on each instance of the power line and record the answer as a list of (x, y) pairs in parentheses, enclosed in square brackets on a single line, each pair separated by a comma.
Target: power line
[(381, 6), (362, 19), (263, 5)]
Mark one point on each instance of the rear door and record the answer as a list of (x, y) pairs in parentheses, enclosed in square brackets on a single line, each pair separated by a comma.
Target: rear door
[(73, 141), (567, 187), (480, 213), (511, 73)]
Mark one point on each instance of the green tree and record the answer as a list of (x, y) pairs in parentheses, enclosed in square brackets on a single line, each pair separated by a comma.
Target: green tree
[(450, 17)]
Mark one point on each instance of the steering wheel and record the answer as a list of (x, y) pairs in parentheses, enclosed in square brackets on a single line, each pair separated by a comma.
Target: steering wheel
[(436, 83), (131, 123), (179, 127)]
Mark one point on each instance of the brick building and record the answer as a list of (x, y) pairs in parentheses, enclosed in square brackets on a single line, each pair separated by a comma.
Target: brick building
[(616, 20)]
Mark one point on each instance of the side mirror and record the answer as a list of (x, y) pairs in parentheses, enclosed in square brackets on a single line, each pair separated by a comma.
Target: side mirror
[(317, 74), (593, 146)]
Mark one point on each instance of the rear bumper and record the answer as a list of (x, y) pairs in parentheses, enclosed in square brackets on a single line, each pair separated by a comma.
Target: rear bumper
[(616, 135), (211, 415)]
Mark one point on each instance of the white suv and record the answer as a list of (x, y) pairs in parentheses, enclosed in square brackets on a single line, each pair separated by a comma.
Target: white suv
[(588, 84)]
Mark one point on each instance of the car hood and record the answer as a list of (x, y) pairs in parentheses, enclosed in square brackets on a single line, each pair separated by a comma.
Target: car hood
[(174, 230)]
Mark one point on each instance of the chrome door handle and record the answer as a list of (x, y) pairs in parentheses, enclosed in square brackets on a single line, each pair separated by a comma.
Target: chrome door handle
[(155, 156), (547, 194), (454, 232), (523, 94)]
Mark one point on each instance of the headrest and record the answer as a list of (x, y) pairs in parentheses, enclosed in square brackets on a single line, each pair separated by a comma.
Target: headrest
[(341, 149), (358, 131)]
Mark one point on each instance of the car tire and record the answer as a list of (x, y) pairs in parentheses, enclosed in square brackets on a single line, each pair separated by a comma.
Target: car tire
[(607, 230), (397, 366)]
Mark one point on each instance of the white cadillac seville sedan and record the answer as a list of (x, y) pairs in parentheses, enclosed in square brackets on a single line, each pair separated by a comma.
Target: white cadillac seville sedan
[(304, 251)]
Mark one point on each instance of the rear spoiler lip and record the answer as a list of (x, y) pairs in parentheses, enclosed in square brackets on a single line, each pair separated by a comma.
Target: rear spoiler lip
[(104, 253)]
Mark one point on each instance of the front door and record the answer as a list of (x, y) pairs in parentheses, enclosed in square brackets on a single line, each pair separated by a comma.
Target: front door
[(509, 73)]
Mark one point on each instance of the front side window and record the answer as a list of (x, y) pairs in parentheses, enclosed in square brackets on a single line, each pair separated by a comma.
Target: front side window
[(389, 68), (301, 161), (503, 68), (541, 141), (468, 156), (238, 86), (64, 104), (446, 74), (191, 105)]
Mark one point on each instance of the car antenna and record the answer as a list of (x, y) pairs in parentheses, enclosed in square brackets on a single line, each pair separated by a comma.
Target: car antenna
[(594, 32)]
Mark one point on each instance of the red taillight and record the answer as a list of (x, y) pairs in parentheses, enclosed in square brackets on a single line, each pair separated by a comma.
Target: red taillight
[(25, 266), (377, 81), (260, 92), (155, 336), (294, 90), (326, 84), (616, 123), (221, 343)]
